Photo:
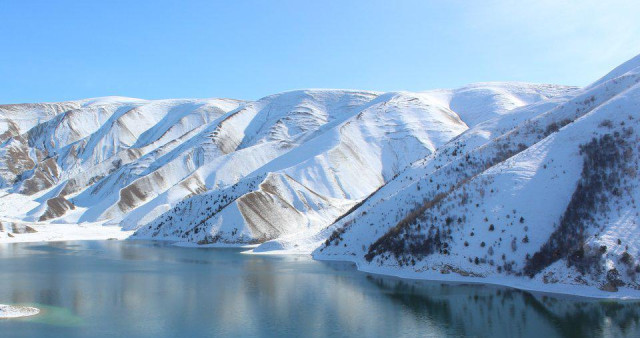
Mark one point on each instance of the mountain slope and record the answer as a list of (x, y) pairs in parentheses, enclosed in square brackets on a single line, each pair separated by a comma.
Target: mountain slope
[(312, 185), (127, 161), (552, 198), (501, 181)]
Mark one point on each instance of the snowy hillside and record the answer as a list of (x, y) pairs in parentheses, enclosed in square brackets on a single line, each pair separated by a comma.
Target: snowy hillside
[(552, 198), (513, 183), (289, 162), (331, 167)]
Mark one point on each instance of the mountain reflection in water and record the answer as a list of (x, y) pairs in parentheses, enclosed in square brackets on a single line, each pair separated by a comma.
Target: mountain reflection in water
[(137, 288)]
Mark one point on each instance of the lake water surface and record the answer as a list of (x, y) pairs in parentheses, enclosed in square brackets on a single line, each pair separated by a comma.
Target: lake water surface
[(149, 289)]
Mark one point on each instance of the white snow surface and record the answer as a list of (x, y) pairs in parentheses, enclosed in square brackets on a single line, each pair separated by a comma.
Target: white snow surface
[(16, 311), (362, 176), (494, 185)]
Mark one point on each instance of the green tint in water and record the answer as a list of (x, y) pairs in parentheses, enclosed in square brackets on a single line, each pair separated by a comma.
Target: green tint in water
[(147, 289), (52, 315)]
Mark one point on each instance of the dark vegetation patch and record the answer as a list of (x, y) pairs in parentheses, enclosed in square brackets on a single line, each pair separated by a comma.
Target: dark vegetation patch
[(336, 235), (422, 233), (607, 160), (401, 241), (198, 210)]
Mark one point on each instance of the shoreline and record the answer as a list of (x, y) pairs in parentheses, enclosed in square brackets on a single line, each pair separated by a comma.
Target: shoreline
[(52, 232), (570, 290), (519, 283)]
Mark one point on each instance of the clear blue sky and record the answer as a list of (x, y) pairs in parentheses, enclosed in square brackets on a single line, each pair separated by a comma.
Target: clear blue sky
[(62, 50)]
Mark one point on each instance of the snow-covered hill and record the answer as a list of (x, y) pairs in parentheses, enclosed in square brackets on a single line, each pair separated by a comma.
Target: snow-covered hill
[(289, 162), (493, 181), (551, 197)]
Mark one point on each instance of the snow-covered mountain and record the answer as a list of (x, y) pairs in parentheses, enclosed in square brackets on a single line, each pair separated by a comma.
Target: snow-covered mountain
[(289, 162), (547, 191), (493, 180)]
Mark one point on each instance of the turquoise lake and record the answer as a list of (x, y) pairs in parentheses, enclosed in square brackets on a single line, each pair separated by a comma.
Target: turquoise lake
[(151, 289)]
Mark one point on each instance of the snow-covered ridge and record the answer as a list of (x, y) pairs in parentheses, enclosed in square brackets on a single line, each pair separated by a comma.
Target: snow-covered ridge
[(475, 182), (307, 156), (551, 197)]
